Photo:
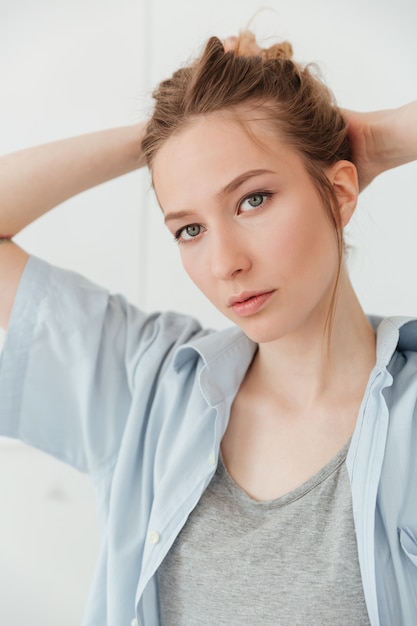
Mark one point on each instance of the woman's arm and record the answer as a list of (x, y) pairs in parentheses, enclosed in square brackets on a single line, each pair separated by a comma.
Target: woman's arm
[(36, 180), (382, 140)]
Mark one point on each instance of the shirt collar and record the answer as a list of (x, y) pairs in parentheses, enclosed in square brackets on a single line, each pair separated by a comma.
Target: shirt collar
[(393, 333), (227, 354)]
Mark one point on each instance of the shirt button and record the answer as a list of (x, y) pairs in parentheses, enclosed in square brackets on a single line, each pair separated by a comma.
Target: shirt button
[(211, 459), (153, 537), (134, 622)]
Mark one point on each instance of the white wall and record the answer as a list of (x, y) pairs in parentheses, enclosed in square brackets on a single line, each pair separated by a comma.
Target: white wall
[(71, 67)]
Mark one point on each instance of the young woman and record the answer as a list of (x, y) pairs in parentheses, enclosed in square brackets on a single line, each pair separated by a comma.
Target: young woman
[(265, 474)]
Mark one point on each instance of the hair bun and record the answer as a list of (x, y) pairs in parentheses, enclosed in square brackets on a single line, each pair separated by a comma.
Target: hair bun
[(246, 45), (282, 50)]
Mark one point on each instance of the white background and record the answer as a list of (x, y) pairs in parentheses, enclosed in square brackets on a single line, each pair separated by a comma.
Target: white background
[(68, 67)]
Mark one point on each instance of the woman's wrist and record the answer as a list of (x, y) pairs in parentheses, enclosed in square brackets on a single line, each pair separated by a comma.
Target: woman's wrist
[(135, 136), (399, 132), (382, 140)]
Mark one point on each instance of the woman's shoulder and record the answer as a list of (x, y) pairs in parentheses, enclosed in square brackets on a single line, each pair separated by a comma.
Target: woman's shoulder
[(67, 303)]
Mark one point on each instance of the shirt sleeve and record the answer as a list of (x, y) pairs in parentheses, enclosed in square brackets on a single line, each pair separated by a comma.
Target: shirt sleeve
[(67, 367)]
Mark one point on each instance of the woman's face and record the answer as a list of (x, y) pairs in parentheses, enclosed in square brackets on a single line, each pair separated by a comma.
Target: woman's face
[(252, 230)]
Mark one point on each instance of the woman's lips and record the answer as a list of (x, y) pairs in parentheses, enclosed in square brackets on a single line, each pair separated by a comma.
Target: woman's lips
[(246, 304)]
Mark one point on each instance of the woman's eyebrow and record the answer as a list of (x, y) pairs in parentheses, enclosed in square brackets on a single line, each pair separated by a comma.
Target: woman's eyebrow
[(239, 180), (229, 188), (178, 215)]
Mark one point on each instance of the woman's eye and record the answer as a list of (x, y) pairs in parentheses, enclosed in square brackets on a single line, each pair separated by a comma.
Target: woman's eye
[(189, 232), (253, 202)]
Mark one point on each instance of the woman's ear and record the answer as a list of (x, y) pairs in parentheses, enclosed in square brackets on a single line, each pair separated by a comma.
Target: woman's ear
[(344, 178)]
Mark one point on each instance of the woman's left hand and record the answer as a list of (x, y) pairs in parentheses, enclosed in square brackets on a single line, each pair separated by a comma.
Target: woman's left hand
[(382, 140)]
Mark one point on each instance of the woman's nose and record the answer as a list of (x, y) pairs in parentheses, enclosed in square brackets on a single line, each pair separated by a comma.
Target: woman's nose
[(230, 255)]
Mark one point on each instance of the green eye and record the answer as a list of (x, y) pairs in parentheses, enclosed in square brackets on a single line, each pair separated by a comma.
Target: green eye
[(255, 200), (188, 233), (193, 230)]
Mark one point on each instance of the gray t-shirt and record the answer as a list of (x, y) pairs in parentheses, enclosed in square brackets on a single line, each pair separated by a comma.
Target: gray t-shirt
[(287, 562)]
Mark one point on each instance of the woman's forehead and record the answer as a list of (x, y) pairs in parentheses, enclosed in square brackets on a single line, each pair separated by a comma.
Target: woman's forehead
[(217, 135), (208, 147), (207, 156)]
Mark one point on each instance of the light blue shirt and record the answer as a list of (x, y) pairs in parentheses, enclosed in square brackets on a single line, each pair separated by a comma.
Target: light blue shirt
[(141, 402)]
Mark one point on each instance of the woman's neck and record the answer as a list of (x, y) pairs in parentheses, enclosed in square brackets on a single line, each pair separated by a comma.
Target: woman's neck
[(309, 365)]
